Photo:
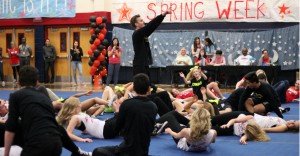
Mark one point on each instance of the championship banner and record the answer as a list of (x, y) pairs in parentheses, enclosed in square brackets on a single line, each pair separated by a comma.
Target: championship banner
[(207, 10), (36, 8)]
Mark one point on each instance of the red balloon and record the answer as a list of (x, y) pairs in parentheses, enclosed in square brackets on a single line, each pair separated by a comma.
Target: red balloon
[(94, 69), (103, 31), (101, 36), (92, 73), (92, 31), (96, 63), (97, 42), (103, 73), (103, 52), (101, 58), (90, 52), (98, 20), (93, 47)]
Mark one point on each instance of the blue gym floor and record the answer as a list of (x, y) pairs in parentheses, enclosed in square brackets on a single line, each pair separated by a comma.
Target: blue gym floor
[(163, 145)]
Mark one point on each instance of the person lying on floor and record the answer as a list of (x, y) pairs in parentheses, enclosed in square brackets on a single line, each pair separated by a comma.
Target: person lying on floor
[(198, 136), (251, 126), (71, 118), (198, 79)]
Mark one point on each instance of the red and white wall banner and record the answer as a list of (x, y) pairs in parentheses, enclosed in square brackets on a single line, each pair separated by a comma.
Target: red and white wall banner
[(207, 10)]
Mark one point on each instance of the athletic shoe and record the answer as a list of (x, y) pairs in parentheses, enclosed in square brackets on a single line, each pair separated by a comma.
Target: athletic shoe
[(158, 128), (110, 101), (3, 83)]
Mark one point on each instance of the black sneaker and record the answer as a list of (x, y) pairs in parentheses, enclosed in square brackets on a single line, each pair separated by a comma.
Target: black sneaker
[(158, 128)]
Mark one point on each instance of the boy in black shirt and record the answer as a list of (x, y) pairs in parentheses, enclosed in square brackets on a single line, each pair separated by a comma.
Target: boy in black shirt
[(39, 127), (135, 121), (265, 98), (142, 53)]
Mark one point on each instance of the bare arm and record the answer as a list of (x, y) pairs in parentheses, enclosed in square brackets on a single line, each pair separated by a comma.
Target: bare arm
[(8, 140), (88, 93), (183, 133), (183, 76), (277, 129), (187, 107), (240, 83), (243, 139), (203, 75), (71, 126), (237, 120)]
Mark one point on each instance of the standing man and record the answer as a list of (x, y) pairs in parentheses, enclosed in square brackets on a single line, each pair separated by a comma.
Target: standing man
[(136, 119), (142, 53), (49, 57), (39, 128), (25, 53)]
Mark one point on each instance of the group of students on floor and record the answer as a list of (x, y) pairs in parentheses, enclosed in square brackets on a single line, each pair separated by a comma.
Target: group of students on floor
[(193, 117)]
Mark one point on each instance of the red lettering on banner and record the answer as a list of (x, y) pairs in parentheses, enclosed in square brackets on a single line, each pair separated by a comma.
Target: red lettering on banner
[(162, 6), (181, 11), (150, 7), (259, 9), (224, 11), (173, 7), (201, 13), (236, 10), (190, 11), (247, 8)]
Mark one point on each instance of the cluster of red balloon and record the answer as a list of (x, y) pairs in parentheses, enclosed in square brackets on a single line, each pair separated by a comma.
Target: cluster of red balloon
[(97, 51)]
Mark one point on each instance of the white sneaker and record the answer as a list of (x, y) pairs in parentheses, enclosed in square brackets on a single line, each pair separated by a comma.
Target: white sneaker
[(3, 83), (84, 153)]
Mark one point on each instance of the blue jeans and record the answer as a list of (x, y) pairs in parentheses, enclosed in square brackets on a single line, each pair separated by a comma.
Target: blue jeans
[(281, 87), (113, 70), (75, 65)]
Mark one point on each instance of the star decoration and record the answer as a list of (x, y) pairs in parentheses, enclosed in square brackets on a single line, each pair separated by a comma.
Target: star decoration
[(279, 48), (283, 9), (294, 60), (124, 13), (290, 62), (263, 41), (274, 44), (284, 63)]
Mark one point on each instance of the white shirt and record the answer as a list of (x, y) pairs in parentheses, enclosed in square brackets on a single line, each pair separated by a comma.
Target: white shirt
[(244, 60), (184, 58), (93, 126)]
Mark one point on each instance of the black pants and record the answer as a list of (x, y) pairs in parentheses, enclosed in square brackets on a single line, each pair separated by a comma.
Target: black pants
[(174, 120), (1, 71), (47, 66), (106, 151), (47, 145), (234, 98), (15, 71), (24, 61), (109, 128), (219, 120), (141, 69), (162, 101)]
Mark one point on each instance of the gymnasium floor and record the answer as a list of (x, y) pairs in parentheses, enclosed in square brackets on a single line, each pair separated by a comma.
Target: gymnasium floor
[(163, 145)]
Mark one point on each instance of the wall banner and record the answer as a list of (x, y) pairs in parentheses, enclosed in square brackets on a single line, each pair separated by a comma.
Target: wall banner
[(208, 10), (37, 8)]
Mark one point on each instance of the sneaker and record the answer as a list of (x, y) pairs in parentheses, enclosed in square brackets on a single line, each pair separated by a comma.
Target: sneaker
[(84, 153), (158, 128), (3, 83), (110, 101)]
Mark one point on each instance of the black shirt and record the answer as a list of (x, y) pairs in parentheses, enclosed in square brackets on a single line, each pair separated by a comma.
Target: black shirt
[(136, 121), (196, 85), (264, 92), (36, 113), (75, 56), (141, 47)]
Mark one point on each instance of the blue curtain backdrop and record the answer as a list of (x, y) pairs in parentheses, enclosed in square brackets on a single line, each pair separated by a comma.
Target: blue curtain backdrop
[(165, 45)]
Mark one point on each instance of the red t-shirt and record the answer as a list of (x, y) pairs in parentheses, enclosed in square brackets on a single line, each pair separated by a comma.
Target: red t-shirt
[(292, 94), (207, 59), (185, 95), (14, 58), (265, 60), (114, 59)]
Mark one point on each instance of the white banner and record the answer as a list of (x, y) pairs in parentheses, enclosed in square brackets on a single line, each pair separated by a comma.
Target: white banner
[(208, 10)]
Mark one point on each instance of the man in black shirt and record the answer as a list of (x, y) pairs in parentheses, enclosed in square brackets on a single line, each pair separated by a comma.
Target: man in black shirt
[(265, 97), (135, 121), (142, 53), (39, 127)]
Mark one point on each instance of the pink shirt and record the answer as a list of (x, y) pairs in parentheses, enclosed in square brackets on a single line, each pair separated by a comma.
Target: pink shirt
[(114, 59), (220, 61)]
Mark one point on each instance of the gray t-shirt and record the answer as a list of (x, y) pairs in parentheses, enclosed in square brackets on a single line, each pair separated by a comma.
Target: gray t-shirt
[(49, 53), (24, 50)]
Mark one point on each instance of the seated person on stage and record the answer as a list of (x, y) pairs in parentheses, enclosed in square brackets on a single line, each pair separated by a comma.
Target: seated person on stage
[(264, 60), (245, 59), (182, 58), (219, 60), (209, 48), (196, 47), (202, 59), (264, 99)]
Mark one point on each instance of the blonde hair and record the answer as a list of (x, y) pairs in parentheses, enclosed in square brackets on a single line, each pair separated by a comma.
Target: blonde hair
[(120, 93), (190, 75), (260, 71), (199, 124), (254, 132), (67, 110)]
